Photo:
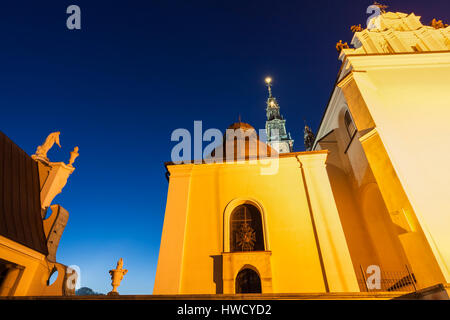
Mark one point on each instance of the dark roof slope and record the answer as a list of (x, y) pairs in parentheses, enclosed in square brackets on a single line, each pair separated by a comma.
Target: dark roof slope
[(20, 205)]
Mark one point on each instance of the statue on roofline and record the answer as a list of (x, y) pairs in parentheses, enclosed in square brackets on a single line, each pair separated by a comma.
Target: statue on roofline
[(382, 7), (73, 155), (117, 276), (357, 28), (41, 151), (340, 46), (438, 24)]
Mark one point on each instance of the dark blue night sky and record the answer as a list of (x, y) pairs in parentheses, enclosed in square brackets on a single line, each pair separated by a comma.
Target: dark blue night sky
[(136, 71)]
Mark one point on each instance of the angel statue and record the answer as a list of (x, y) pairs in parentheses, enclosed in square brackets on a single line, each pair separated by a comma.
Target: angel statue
[(41, 151)]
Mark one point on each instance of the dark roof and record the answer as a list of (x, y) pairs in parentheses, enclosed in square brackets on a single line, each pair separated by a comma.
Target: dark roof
[(20, 205)]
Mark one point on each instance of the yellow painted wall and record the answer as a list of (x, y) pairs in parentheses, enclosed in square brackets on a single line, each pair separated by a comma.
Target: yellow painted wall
[(294, 260), (36, 270), (371, 236), (23, 256), (408, 97)]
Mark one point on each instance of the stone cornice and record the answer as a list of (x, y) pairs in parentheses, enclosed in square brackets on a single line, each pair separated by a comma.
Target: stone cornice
[(399, 60), (368, 135), (20, 249)]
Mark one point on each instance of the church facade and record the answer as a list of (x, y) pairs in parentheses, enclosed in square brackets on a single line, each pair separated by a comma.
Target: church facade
[(371, 193), (227, 220)]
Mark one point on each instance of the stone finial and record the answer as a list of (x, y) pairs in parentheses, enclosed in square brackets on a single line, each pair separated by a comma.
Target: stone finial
[(117, 276), (73, 155), (41, 151), (340, 46)]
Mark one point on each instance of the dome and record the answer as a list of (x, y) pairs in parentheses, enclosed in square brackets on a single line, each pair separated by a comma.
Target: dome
[(244, 146), (240, 125)]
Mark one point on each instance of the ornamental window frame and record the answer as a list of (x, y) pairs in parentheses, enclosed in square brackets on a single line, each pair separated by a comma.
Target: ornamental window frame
[(226, 226)]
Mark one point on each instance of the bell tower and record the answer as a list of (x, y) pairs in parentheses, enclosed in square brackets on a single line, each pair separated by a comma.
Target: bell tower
[(277, 137)]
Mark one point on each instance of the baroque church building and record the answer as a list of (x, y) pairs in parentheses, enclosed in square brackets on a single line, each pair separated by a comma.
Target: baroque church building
[(368, 201)]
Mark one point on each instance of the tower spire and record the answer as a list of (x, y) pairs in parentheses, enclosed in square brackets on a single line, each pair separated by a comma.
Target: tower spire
[(269, 85), (308, 137), (273, 109), (277, 136)]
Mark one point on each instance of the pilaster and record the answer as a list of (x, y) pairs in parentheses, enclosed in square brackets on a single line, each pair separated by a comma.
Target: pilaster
[(340, 275)]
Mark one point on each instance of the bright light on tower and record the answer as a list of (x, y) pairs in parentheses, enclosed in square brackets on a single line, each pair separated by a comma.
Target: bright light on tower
[(268, 80)]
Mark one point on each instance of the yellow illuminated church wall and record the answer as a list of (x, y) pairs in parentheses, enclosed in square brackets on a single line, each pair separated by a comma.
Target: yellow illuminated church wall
[(409, 108), (305, 248), (32, 275), (396, 165), (374, 192)]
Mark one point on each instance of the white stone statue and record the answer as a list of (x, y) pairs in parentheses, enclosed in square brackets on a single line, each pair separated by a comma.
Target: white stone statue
[(73, 155), (117, 276), (41, 151)]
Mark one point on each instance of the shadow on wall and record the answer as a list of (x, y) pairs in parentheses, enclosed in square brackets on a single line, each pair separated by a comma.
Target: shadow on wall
[(218, 273)]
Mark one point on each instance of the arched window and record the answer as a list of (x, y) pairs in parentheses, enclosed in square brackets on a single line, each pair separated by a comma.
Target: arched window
[(349, 125), (246, 232), (248, 281)]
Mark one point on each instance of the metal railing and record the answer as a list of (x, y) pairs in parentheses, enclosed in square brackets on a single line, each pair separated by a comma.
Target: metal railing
[(396, 281)]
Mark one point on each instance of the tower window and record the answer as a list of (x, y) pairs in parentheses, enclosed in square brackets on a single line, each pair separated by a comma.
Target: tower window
[(246, 229), (349, 125)]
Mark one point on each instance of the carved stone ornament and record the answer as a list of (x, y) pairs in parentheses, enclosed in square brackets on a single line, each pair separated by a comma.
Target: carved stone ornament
[(117, 276), (340, 45), (41, 151), (246, 237)]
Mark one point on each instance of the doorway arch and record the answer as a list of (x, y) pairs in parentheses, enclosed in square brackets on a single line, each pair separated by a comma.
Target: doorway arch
[(248, 281)]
